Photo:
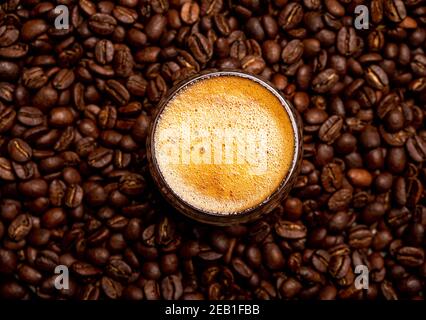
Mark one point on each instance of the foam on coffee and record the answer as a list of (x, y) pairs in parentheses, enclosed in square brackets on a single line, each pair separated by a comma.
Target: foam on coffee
[(224, 144)]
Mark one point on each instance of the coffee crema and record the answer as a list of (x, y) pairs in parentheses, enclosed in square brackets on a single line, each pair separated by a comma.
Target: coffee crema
[(224, 144)]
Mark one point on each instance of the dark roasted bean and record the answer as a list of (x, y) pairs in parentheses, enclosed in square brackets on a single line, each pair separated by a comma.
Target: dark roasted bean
[(200, 47), (325, 81), (291, 15), (290, 230), (20, 227), (19, 150), (102, 24)]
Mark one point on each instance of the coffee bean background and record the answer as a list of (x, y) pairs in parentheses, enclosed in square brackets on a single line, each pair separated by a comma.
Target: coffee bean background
[(75, 105)]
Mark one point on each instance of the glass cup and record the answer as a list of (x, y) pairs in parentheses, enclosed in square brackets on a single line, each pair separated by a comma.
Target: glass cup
[(246, 215)]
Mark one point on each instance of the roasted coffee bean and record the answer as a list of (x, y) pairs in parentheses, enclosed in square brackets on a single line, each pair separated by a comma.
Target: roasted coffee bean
[(53, 218), (85, 270), (104, 51), (190, 12), (291, 16), (340, 199), (155, 27), (132, 184), (254, 29), (15, 51), (33, 28), (61, 117), (416, 148), (7, 118), (410, 256), (124, 15), (8, 261), (9, 71), (360, 177), (24, 171), (118, 269), (8, 35), (112, 289), (39, 237), (133, 293), (273, 256), (45, 98), (339, 266), (241, 268), (169, 263), (171, 287), (12, 290), (330, 129), (320, 260), (419, 65), (331, 177), (100, 157), (290, 230), (394, 120), (156, 88), (394, 10), (19, 150), (117, 92), (102, 24), (292, 52), (33, 188), (73, 196), (360, 237), (6, 170), (290, 288), (148, 55), (29, 274), (89, 292), (373, 211), (325, 81), (222, 24), (200, 47), (347, 42), (123, 62), (136, 85), (396, 160), (376, 77), (6, 91), (34, 78), (20, 227), (30, 116), (103, 71), (107, 117), (271, 51), (151, 290), (98, 256), (253, 64), (211, 7)]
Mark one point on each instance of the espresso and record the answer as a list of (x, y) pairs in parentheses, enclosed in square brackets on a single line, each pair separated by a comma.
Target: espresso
[(224, 144)]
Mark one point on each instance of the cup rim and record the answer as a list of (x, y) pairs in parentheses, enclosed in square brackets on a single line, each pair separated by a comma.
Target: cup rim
[(246, 213)]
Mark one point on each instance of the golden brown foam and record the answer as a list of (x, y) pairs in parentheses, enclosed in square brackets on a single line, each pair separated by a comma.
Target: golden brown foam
[(200, 169)]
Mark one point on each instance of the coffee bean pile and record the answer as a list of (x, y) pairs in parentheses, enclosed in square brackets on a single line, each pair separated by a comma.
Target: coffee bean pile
[(76, 103)]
